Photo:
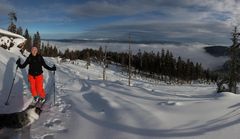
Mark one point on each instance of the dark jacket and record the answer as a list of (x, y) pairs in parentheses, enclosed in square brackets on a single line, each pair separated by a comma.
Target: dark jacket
[(35, 65)]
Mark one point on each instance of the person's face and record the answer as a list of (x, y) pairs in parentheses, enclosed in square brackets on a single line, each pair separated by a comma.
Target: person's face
[(34, 51)]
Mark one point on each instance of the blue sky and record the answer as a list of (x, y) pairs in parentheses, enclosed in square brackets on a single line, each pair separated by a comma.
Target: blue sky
[(169, 20)]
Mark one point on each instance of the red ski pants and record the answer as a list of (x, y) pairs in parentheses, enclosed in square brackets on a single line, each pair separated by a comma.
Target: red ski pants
[(36, 85)]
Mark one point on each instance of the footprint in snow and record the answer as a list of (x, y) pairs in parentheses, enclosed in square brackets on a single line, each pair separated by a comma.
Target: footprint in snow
[(55, 125), (48, 136), (169, 103), (103, 85), (62, 106)]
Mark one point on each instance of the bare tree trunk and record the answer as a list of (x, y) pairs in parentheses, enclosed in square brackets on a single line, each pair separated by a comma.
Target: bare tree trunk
[(104, 63), (88, 60), (129, 62)]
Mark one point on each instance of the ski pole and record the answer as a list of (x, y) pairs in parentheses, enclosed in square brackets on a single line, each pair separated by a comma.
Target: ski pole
[(6, 103), (54, 91)]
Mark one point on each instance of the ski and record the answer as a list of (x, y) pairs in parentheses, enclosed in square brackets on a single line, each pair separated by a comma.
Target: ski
[(34, 104), (42, 105), (45, 108)]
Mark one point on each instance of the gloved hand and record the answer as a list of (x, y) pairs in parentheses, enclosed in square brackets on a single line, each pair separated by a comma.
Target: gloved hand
[(18, 61), (54, 68)]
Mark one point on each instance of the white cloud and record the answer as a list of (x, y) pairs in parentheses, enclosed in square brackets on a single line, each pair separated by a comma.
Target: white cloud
[(194, 20), (107, 8), (173, 31), (225, 7)]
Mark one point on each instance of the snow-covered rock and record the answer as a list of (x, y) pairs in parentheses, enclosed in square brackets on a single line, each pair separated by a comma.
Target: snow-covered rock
[(9, 39)]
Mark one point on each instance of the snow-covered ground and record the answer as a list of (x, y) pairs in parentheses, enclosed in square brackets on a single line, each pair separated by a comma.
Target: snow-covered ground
[(89, 108)]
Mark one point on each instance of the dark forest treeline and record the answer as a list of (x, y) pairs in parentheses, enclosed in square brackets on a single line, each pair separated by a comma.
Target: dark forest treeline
[(162, 64)]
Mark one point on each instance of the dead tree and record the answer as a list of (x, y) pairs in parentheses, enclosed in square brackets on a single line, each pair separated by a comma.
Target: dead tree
[(88, 60), (105, 63), (129, 61)]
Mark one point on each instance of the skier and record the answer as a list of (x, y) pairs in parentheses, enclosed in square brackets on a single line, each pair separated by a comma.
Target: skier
[(35, 74)]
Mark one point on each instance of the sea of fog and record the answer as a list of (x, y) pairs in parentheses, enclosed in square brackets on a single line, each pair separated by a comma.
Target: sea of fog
[(194, 51)]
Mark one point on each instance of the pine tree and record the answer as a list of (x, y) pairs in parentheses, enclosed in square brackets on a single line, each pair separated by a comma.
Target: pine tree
[(179, 68), (20, 31), (55, 51), (37, 40), (12, 28), (28, 44), (234, 61), (138, 62), (13, 18), (157, 63), (100, 55)]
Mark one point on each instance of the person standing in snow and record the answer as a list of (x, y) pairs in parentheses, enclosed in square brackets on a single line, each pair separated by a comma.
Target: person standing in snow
[(35, 73)]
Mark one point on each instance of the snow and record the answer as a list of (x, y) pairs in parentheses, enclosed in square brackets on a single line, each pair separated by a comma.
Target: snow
[(10, 34), (6, 38), (89, 108), (8, 66), (20, 91)]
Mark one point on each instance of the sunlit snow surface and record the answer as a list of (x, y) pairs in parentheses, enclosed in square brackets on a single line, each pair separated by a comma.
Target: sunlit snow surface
[(89, 108)]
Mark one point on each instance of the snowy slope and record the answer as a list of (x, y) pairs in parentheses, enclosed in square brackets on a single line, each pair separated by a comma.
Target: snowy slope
[(89, 108)]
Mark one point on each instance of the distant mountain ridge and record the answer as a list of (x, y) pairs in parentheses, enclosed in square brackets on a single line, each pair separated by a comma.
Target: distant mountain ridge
[(217, 51), (111, 41)]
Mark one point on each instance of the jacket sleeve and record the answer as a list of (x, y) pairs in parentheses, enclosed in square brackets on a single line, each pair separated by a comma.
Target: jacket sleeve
[(45, 65), (21, 66)]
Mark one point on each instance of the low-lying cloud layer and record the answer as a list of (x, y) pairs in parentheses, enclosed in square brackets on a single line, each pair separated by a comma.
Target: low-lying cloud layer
[(193, 51)]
